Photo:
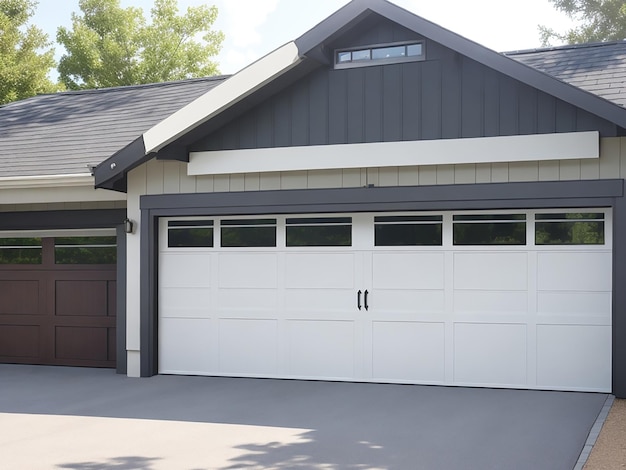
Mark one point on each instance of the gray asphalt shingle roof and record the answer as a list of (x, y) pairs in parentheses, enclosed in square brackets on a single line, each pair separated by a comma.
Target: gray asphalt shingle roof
[(599, 68), (63, 133)]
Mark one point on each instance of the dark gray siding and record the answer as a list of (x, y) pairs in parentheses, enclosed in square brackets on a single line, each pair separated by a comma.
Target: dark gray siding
[(448, 96)]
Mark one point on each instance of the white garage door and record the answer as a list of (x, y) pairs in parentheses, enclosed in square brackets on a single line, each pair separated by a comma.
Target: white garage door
[(520, 299)]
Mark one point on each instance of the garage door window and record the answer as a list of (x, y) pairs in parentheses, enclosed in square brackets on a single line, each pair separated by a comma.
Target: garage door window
[(575, 228), (414, 230), (329, 231), (248, 233), (489, 229), (190, 234), (20, 251), (85, 250)]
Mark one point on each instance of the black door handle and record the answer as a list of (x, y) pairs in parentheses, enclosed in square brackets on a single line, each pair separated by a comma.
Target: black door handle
[(358, 300), (366, 306)]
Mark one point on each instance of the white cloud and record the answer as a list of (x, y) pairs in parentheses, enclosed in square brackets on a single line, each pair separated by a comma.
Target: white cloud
[(244, 17)]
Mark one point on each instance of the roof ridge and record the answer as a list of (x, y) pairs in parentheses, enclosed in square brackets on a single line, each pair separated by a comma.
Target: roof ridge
[(564, 47)]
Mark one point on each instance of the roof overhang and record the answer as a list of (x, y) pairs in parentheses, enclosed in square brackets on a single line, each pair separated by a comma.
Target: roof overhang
[(236, 88)]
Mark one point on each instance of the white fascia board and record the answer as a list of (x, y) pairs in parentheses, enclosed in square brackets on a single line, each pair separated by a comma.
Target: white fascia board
[(522, 148), (47, 181), (224, 95)]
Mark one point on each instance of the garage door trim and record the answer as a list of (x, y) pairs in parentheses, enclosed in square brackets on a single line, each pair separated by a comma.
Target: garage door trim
[(573, 194)]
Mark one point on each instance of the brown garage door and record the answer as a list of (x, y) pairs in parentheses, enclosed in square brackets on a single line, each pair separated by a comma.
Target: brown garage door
[(57, 301)]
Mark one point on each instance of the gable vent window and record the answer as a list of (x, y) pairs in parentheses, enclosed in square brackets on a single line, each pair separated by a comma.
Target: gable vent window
[(378, 55)]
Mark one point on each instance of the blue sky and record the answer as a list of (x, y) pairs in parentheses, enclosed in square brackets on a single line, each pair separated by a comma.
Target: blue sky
[(255, 27)]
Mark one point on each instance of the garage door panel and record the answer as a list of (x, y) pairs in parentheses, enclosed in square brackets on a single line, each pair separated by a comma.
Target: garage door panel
[(246, 300), (112, 341), (77, 297), (81, 343), (597, 304), (408, 351), (490, 301), (414, 301), (185, 302), (490, 354), (322, 301), (248, 347), (407, 270), (321, 349), (574, 357), (319, 270), (491, 271), (19, 341), (571, 271), (185, 270), (19, 297), (112, 298), (248, 270), (194, 354)]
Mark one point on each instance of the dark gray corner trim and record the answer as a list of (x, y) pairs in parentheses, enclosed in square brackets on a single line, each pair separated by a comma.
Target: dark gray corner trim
[(120, 306), (114, 168), (619, 298), (588, 193), (328, 29), (148, 332), (51, 220)]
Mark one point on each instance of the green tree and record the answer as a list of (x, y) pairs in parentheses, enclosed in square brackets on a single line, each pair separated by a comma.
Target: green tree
[(600, 20), (25, 57), (112, 46)]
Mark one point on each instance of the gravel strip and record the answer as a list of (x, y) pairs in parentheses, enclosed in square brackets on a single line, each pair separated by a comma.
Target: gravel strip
[(609, 451)]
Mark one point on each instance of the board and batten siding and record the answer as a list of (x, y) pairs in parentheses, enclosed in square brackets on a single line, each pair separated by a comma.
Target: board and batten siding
[(447, 96)]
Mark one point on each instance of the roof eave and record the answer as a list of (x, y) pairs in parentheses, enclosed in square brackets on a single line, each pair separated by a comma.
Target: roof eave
[(202, 109)]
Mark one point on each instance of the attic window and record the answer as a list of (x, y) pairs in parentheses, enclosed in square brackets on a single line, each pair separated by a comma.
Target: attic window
[(380, 54)]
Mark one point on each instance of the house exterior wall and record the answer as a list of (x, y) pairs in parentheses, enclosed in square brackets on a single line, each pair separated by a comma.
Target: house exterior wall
[(163, 177)]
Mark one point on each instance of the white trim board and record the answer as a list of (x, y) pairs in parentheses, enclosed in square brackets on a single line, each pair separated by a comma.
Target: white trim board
[(47, 181), (53, 195), (519, 148), (227, 93)]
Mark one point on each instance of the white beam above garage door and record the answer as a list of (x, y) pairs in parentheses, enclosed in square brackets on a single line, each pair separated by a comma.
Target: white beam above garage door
[(520, 148)]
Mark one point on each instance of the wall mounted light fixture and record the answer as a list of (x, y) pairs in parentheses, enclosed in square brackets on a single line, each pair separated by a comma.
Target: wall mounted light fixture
[(129, 225)]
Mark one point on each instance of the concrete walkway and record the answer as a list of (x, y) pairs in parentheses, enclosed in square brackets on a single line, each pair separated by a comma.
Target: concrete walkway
[(73, 418)]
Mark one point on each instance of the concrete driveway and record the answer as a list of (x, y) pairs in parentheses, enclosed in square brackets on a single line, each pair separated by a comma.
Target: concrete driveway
[(74, 418)]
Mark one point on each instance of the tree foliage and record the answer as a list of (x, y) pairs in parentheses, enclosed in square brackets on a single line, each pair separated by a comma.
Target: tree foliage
[(600, 20), (113, 46), (25, 53)]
